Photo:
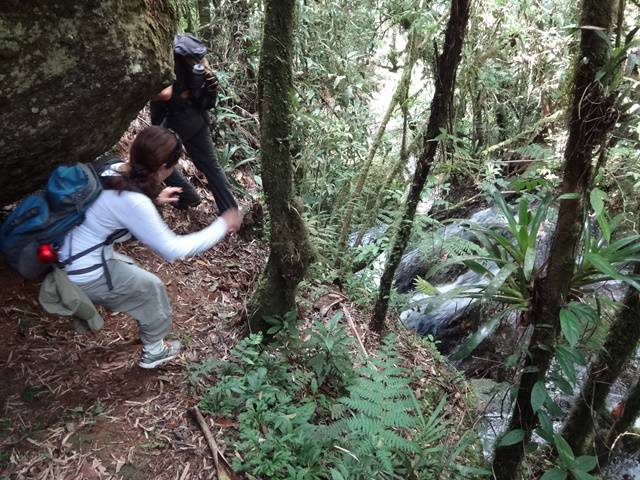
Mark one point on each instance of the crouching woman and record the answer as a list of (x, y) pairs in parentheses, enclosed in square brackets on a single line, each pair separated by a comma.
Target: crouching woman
[(127, 205)]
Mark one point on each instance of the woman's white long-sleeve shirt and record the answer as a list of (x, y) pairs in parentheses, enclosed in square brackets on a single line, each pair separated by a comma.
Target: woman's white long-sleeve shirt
[(136, 212)]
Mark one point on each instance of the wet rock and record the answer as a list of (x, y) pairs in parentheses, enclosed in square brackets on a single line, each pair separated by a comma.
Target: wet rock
[(73, 76), (412, 265), (418, 262)]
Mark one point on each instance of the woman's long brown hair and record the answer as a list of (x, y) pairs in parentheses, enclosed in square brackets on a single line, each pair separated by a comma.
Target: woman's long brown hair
[(153, 147)]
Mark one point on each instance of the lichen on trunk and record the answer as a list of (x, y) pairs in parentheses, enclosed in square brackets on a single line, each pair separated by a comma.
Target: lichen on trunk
[(290, 249), (591, 118)]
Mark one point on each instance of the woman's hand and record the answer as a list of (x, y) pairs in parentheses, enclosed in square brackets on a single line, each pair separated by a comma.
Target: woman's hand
[(169, 195), (233, 218)]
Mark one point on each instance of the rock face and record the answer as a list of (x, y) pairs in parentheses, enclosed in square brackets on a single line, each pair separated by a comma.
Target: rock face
[(72, 77)]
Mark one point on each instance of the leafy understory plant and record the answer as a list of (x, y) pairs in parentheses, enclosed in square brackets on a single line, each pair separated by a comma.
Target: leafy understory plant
[(507, 270), (568, 465), (307, 408), (506, 266)]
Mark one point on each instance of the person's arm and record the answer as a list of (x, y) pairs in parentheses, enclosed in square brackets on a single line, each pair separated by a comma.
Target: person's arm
[(137, 213), (158, 106), (164, 95)]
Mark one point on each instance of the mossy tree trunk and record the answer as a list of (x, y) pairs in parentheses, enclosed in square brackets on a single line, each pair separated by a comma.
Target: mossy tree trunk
[(622, 424), (620, 344), (384, 186), (589, 123), (446, 69), (291, 251)]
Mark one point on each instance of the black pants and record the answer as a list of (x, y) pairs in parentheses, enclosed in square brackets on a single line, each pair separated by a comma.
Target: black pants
[(191, 124)]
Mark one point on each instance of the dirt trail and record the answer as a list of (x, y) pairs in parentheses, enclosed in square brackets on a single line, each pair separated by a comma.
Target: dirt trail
[(78, 406)]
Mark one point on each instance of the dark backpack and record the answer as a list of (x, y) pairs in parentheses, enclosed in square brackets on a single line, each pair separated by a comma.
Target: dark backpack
[(191, 72), (45, 217)]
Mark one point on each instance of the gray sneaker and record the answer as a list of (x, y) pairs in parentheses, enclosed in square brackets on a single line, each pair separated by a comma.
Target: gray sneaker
[(171, 350)]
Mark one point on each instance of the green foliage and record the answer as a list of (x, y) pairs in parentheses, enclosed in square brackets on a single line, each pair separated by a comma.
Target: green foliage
[(568, 466), (306, 411), (514, 72), (380, 414), (603, 260), (455, 246), (328, 351), (505, 256)]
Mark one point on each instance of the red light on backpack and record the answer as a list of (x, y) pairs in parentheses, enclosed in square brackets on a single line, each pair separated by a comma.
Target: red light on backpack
[(47, 254)]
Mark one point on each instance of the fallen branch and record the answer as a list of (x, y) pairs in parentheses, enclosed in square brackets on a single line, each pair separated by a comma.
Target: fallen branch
[(523, 135), (347, 315), (224, 473)]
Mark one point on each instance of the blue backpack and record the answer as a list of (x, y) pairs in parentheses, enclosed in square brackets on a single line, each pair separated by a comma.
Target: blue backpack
[(45, 217)]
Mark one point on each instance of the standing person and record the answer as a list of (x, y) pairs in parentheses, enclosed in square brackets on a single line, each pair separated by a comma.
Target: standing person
[(183, 107), (127, 204)]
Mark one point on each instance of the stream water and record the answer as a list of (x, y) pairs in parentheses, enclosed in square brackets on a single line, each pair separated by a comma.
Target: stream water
[(428, 315)]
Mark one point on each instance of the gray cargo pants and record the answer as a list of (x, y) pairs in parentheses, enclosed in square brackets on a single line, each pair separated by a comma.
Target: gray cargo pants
[(137, 292)]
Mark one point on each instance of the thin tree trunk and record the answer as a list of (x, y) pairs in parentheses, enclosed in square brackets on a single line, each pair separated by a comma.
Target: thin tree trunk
[(446, 69), (478, 124), (620, 24), (204, 21), (620, 344), (291, 252), (622, 424), (399, 93), (379, 193), (395, 171), (590, 121)]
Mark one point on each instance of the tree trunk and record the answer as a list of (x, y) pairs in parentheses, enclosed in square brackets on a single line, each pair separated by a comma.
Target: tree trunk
[(590, 120), (622, 424), (447, 66), (620, 22), (395, 171), (620, 344), (398, 95), (478, 124), (291, 252), (204, 22)]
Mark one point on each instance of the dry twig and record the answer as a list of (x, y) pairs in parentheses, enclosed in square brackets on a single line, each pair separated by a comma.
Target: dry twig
[(224, 471)]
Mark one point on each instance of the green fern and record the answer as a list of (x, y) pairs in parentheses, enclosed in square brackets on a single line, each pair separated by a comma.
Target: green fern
[(379, 423), (292, 423), (457, 247)]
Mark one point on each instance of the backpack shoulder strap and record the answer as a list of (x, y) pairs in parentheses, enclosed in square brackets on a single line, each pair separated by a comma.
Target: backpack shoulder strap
[(109, 240), (103, 162)]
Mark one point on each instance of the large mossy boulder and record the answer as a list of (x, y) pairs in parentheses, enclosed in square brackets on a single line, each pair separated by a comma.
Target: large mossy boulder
[(73, 75)]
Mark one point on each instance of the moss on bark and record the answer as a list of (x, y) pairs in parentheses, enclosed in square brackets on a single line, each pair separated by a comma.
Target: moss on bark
[(291, 251), (590, 121), (446, 70), (74, 75)]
